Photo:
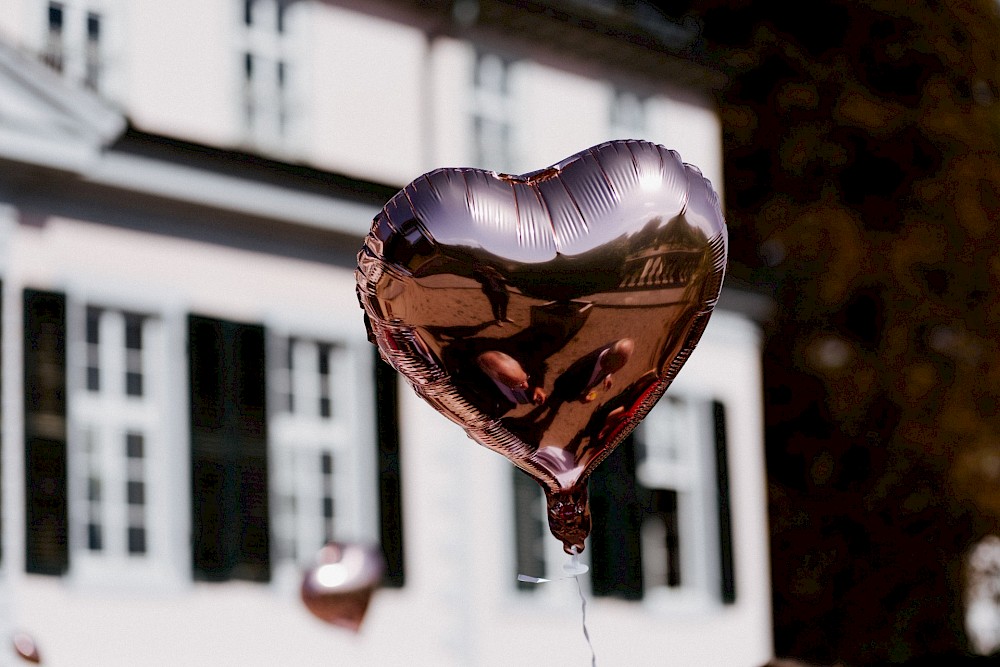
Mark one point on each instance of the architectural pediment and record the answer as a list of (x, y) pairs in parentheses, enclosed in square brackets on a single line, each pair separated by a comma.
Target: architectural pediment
[(47, 121)]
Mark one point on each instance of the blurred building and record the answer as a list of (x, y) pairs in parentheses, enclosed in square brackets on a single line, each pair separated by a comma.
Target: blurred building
[(190, 407)]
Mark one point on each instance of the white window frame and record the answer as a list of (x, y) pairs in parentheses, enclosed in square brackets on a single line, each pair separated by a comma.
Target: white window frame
[(627, 115), (98, 426), (492, 107), (267, 70), (86, 62), (297, 439), (676, 451)]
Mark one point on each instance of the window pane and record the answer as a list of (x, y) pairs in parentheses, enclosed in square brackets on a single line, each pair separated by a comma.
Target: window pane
[(93, 379), (55, 16), (95, 541), (136, 540), (133, 384), (282, 7), (133, 331), (134, 445), (93, 27), (94, 489), (93, 340), (660, 541), (136, 493)]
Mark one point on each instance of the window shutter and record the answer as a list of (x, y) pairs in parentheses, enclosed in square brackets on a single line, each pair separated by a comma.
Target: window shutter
[(616, 567), (390, 480), (46, 510), (229, 483), (728, 576), (530, 529)]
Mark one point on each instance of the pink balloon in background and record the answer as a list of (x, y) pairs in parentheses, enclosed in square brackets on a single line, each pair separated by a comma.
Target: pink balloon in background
[(546, 313), (25, 647), (338, 587)]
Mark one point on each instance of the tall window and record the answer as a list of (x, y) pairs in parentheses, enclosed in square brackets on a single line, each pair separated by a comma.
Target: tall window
[(94, 420), (627, 115), (316, 473), (116, 412), (74, 41), (661, 508), (660, 512), (266, 72), (492, 113)]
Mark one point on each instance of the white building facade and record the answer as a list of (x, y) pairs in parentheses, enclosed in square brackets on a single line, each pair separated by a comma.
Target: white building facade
[(189, 406)]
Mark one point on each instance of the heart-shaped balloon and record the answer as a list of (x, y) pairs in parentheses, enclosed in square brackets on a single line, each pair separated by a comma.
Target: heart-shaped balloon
[(339, 586), (546, 313)]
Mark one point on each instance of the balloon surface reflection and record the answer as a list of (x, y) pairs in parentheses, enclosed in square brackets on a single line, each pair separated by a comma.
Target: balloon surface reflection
[(546, 313), (339, 586)]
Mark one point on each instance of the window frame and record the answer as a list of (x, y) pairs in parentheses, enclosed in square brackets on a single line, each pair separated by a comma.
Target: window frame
[(86, 49), (165, 563), (696, 484), (351, 431), (267, 94), (705, 553), (492, 106)]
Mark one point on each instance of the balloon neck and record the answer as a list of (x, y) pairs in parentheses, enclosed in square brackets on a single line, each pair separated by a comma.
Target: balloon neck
[(569, 517)]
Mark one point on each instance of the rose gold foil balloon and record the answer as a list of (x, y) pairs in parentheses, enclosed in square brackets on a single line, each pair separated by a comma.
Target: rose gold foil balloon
[(25, 647), (546, 313), (340, 584)]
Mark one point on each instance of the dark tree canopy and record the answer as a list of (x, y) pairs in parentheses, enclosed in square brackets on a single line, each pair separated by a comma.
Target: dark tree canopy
[(863, 191)]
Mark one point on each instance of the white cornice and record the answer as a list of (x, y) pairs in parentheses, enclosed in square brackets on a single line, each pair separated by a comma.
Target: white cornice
[(45, 121), (183, 183)]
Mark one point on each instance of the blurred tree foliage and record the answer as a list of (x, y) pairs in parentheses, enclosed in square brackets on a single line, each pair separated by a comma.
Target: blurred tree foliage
[(863, 188)]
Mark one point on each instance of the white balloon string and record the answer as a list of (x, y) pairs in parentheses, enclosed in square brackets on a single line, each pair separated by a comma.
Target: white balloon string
[(577, 568), (586, 633), (574, 569)]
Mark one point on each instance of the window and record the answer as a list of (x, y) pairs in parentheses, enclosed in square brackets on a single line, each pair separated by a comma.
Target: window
[(309, 439), (94, 418), (627, 115), (491, 113), (324, 481), (266, 95), (74, 41), (661, 509), (116, 413)]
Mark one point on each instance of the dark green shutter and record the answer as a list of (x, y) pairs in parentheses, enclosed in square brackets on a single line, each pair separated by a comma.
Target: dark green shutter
[(390, 473), (727, 572), (229, 482), (46, 510), (616, 566)]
